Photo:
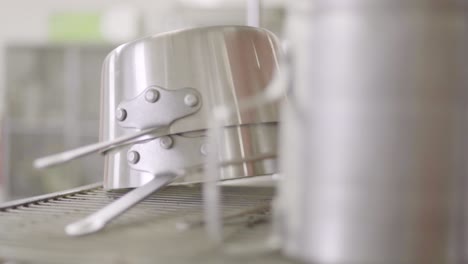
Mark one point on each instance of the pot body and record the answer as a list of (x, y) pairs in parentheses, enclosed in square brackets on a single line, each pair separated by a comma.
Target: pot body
[(223, 64), (374, 134)]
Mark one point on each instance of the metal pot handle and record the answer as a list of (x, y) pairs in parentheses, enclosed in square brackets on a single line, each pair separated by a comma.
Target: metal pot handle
[(144, 102), (101, 147), (99, 219)]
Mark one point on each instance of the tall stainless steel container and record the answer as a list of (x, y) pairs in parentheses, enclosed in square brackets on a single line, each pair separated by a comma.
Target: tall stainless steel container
[(375, 133)]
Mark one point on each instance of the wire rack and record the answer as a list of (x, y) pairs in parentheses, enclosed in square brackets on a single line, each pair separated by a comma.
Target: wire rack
[(165, 228)]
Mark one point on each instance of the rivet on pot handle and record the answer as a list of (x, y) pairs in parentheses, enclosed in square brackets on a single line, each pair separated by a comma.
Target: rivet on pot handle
[(156, 107)]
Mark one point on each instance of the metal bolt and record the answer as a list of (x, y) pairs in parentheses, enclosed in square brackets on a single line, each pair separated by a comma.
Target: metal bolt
[(121, 114), (133, 157), (152, 95), (166, 142), (190, 100), (204, 150)]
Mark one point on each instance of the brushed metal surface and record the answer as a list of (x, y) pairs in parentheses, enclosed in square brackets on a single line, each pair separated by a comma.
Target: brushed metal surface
[(375, 133), (225, 64)]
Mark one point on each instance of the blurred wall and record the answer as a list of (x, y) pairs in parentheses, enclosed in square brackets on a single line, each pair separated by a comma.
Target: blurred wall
[(27, 22)]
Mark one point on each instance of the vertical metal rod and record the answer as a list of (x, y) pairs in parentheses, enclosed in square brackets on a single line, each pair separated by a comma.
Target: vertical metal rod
[(72, 84), (253, 12), (72, 96), (211, 191), (5, 179)]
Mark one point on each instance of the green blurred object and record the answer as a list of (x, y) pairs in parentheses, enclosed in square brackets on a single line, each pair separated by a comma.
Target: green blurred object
[(75, 27)]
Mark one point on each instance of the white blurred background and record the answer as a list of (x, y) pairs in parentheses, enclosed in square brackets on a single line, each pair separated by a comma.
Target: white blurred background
[(51, 53)]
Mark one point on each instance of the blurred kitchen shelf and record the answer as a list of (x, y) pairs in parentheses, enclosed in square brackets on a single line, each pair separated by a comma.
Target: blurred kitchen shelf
[(50, 127), (52, 104), (148, 233)]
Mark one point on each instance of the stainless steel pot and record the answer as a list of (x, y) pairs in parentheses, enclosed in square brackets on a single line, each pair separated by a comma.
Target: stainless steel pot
[(174, 80), (375, 134), (158, 96)]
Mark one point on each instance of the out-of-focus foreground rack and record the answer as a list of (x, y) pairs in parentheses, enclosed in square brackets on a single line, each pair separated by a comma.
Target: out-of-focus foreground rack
[(165, 228)]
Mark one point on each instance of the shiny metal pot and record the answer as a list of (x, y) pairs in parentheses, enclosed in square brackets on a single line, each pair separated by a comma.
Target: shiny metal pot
[(375, 133), (158, 98), (173, 81)]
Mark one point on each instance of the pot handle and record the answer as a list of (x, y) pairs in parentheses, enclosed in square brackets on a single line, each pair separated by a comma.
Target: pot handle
[(101, 147)]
